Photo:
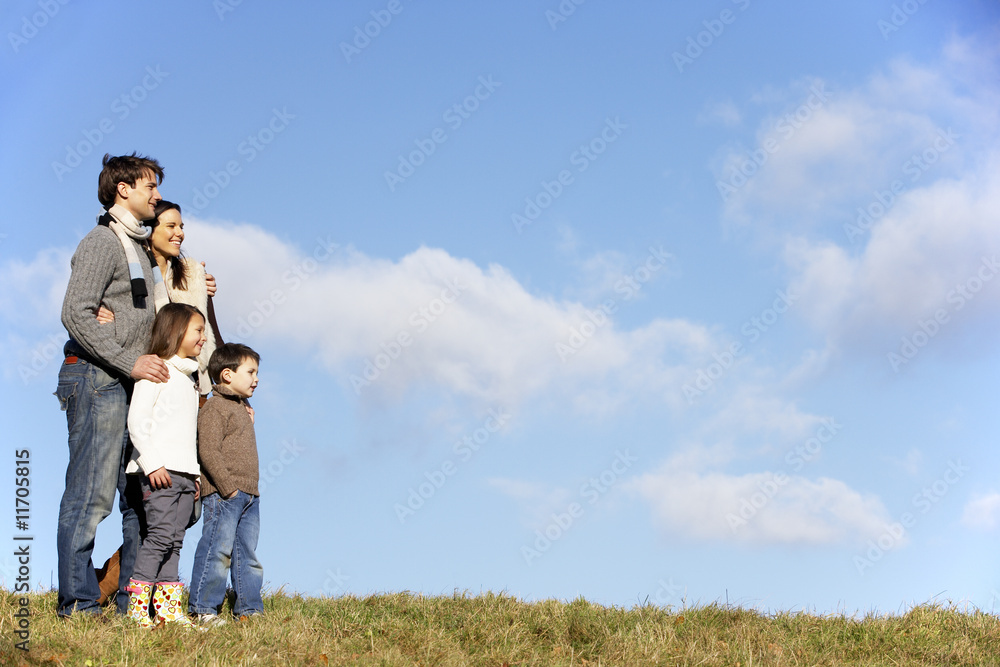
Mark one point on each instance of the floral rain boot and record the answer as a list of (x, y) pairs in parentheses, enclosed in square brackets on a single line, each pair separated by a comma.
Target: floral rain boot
[(138, 602), (167, 603)]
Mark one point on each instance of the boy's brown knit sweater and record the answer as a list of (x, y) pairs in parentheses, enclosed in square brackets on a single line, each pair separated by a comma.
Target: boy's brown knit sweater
[(227, 446)]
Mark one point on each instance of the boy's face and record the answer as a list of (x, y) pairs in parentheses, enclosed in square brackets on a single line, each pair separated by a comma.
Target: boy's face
[(140, 199), (243, 380)]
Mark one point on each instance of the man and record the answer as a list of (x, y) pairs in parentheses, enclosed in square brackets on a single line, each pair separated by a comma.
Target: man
[(111, 268)]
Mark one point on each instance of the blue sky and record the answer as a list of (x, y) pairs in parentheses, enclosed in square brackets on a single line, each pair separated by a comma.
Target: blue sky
[(630, 301)]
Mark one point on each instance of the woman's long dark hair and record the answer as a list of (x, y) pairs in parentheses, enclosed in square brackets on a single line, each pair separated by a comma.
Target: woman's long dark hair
[(177, 267)]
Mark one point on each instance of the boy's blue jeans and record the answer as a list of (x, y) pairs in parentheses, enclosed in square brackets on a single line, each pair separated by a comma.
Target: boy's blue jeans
[(96, 406), (228, 542)]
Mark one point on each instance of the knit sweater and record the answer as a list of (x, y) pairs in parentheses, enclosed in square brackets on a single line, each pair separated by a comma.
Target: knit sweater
[(195, 295), (99, 274), (227, 446), (163, 421)]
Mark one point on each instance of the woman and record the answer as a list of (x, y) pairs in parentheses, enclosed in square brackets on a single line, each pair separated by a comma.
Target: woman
[(185, 280)]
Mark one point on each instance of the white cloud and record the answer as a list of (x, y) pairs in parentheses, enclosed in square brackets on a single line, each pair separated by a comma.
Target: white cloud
[(934, 242), (911, 464), (932, 132), (983, 512), (726, 113), (825, 151), (759, 508), (537, 502), (33, 290), (431, 317), (752, 409)]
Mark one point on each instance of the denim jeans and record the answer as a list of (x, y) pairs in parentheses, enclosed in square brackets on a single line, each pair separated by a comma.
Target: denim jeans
[(96, 406), (228, 542)]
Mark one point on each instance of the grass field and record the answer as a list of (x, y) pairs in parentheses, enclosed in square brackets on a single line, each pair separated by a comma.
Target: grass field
[(490, 629)]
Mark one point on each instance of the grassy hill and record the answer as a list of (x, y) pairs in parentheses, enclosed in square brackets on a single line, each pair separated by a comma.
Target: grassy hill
[(490, 629)]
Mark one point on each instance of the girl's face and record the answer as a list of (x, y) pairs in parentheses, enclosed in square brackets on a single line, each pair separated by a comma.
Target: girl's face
[(168, 234), (194, 337)]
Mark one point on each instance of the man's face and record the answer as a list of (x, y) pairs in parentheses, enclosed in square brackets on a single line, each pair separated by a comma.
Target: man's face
[(140, 199)]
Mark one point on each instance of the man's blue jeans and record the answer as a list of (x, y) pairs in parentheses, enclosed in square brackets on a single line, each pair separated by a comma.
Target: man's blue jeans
[(228, 541), (96, 405)]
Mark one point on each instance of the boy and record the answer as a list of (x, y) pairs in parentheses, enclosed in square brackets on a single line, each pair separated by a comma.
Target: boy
[(109, 267), (227, 451)]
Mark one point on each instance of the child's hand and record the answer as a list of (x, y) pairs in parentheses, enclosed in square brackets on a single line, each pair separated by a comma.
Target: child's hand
[(250, 412), (197, 490), (160, 479)]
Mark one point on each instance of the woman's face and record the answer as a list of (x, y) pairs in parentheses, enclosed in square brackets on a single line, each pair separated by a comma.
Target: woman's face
[(168, 234)]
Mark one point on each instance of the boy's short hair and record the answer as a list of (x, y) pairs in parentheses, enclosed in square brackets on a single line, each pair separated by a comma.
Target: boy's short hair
[(124, 169), (229, 355)]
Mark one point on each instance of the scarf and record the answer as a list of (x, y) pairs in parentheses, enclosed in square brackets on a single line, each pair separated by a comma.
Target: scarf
[(126, 227), (187, 366)]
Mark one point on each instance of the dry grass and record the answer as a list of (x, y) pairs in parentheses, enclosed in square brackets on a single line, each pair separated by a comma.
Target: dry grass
[(405, 629)]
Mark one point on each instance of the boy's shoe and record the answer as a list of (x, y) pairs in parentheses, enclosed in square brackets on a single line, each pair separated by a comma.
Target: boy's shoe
[(138, 602), (167, 603), (209, 620)]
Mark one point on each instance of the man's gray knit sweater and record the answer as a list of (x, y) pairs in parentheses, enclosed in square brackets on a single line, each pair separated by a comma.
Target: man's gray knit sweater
[(100, 276)]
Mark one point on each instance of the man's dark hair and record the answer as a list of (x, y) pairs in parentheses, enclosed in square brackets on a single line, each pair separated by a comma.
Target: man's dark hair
[(229, 355), (124, 169)]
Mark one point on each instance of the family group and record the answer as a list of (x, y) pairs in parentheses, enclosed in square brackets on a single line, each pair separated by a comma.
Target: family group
[(141, 360)]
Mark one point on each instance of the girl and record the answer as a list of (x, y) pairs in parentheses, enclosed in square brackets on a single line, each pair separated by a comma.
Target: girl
[(162, 421)]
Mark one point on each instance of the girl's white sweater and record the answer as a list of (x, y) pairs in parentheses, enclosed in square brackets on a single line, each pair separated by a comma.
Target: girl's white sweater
[(163, 421)]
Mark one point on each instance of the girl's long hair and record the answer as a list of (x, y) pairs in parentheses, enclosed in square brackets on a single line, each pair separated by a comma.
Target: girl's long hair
[(169, 327), (177, 267)]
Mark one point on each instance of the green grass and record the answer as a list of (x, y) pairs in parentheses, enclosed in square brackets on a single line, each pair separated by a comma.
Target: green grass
[(490, 629)]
